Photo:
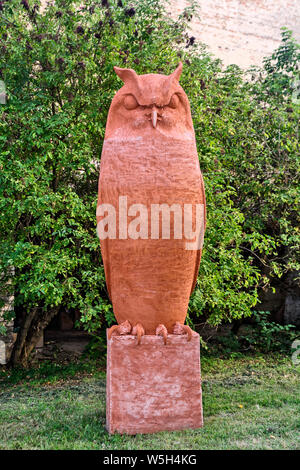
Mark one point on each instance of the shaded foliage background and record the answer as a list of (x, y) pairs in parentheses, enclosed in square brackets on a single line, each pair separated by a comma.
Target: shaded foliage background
[(57, 66)]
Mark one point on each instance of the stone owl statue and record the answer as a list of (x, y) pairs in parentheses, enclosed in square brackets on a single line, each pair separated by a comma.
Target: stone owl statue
[(150, 181)]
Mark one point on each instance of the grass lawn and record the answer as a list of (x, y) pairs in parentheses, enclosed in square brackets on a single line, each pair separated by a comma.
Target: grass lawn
[(249, 403)]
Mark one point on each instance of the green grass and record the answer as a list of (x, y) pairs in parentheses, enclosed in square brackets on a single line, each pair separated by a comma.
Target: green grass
[(249, 403)]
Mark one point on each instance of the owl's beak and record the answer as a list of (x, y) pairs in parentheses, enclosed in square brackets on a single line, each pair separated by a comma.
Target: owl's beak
[(154, 117)]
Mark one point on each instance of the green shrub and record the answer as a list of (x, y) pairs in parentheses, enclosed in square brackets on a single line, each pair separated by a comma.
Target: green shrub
[(267, 335), (57, 66)]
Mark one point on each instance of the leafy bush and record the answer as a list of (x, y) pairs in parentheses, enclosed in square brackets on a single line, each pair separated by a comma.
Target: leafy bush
[(57, 66), (260, 334), (247, 135), (267, 335)]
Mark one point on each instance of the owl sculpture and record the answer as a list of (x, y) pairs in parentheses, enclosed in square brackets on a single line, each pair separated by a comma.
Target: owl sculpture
[(149, 165)]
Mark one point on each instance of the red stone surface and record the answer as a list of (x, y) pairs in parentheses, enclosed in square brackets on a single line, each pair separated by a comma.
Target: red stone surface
[(153, 387), (150, 162)]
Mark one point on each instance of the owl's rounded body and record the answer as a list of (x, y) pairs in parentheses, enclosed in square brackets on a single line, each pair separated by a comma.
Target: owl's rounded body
[(150, 175)]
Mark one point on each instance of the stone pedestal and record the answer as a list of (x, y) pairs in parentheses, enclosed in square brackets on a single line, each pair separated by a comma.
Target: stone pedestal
[(153, 387)]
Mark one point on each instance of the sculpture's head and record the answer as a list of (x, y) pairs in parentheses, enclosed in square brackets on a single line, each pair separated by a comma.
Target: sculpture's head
[(149, 104)]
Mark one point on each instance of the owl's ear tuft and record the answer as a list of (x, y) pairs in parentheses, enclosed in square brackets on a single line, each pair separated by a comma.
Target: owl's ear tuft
[(126, 74), (177, 72)]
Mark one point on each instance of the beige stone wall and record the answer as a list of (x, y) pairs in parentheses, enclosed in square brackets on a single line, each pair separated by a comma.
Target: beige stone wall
[(243, 31)]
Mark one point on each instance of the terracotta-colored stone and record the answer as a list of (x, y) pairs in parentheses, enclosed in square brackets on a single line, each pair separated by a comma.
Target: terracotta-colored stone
[(150, 157), (153, 387)]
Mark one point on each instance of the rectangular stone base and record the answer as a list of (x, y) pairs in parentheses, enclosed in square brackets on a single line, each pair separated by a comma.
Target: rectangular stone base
[(153, 387)]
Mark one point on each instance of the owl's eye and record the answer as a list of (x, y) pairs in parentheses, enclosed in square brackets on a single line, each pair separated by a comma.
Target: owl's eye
[(130, 102), (174, 101)]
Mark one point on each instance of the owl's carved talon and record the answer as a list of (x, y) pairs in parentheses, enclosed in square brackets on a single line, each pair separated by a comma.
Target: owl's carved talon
[(138, 330), (180, 329), (122, 329), (161, 330)]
